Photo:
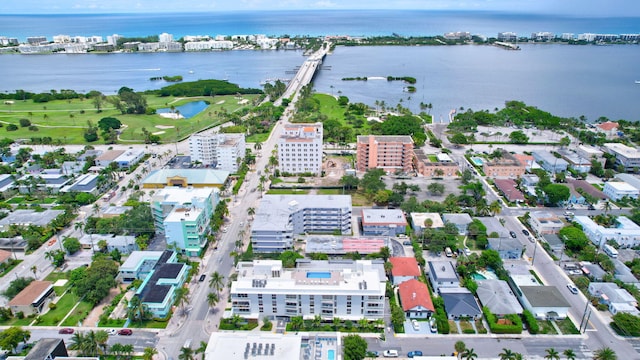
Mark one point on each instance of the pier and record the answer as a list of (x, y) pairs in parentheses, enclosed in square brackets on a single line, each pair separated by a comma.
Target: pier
[(506, 45)]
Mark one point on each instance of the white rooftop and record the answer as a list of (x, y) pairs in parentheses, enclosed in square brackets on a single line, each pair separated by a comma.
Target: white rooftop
[(621, 186), (179, 195), (136, 256), (228, 346), (418, 219)]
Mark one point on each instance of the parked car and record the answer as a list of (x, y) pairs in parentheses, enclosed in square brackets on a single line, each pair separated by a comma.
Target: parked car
[(467, 251), (372, 354), (575, 272), (572, 288), (126, 332), (415, 324), (433, 326), (532, 240), (513, 234), (112, 331), (390, 353), (201, 279), (414, 353), (65, 331), (406, 242), (525, 232)]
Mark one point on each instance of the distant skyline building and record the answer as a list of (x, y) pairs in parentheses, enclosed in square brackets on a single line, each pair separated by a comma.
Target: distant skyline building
[(165, 38)]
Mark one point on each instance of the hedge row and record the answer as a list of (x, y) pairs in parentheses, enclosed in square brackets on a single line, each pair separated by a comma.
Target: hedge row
[(531, 321), (515, 328)]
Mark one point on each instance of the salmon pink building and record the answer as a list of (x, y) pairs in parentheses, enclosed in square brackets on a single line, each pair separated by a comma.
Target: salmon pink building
[(388, 152)]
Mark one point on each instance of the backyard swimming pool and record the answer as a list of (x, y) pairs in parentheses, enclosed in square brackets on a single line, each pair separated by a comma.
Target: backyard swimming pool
[(478, 161)]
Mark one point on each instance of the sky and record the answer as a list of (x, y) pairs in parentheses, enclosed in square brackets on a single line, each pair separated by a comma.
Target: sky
[(583, 8)]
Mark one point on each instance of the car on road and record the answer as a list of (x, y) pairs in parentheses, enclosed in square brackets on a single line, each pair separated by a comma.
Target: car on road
[(467, 251), (201, 279), (406, 243), (372, 354), (532, 240), (65, 331), (112, 331), (125, 332), (414, 353), (390, 353), (525, 232), (572, 288), (513, 234)]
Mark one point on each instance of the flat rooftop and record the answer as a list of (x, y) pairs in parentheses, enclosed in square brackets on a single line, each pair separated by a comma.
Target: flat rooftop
[(252, 346)]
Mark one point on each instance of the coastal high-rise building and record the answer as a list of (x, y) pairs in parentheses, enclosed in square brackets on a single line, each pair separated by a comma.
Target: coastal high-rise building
[(345, 289), (183, 216), (388, 152), (7, 41), (300, 149), (222, 151), (36, 40), (507, 36), (165, 38), (113, 39)]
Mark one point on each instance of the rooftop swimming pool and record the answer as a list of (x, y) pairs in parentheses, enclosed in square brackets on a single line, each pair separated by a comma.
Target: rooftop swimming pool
[(331, 354), (318, 275)]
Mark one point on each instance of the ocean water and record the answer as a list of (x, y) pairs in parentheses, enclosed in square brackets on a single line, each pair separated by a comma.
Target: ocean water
[(313, 23)]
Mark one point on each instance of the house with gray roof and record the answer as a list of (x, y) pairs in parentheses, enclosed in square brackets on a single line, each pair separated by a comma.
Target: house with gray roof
[(623, 273), (549, 162), (51, 182), (461, 221), (497, 296), (24, 217), (48, 348), (616, 299), (508, 248), (493, 225), (385, 222), (554, 241), (87, 183), (124, 244), (73, 167), (593, 271), (442, 274), (460, 303), (544, 302), (6, 182), (279, 217), (630, 179)]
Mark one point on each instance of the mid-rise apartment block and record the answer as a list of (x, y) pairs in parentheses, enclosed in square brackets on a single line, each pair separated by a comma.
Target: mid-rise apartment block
[(505, 166), (280, 217), (300, 149), (388, 152), (183, 215), (627, 156), (345, 289), (625, 232), (222, 151)]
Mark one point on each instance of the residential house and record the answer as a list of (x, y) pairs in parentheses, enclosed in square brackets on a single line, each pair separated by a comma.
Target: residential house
[(545, 222), (460, 303), (4, 256), (580, 187), (390, 153), (29, 217), (576, 161), (593, 271), (197, 178), (508, 188), (497, 296), (124, 244), (87, 183), (461, 221), (544, 302), (6, 182), (609, 128), (279, 217), (106, 158), (161, 277), (50, 349), (530, 179), (33, 299), (554, 241), (419, 221), (623, 273), (388, 222), (617, 299), (507, 247), (494, 225), (630, 179), (549, 162), (349, 290), (48, 182), (616, 190), (442, 274), (506, 166), (73, 167), (525, 160), (404, 268), (589, 152), (415, 299)]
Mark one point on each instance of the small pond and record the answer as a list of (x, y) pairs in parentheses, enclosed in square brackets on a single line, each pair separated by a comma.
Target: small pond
[(187, 110)]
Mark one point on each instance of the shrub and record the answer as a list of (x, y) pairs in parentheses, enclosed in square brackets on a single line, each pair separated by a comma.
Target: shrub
[(12, 127), (531, 322), (33, 128), (25, 122), (514, 328)]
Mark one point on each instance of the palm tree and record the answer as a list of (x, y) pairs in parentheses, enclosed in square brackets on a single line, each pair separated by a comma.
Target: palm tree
[(506, 354), (202, 348), (127, 350), (552, 354), (116, 349), (186, 353), (570, 354), (606, 206), (216, 282), (251, 211), (296, 322), (459, 346), (148, 353), (605, 353), (495, 208), (518, 356), (34, 270), (101, 338), (182, 294), (212, 299), (469, 354), (257, 146)]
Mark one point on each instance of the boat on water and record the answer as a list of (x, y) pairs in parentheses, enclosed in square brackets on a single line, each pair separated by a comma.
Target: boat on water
[(637, 81)]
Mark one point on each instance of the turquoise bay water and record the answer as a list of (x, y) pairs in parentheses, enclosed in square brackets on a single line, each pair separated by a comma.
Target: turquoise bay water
[(187, 110)]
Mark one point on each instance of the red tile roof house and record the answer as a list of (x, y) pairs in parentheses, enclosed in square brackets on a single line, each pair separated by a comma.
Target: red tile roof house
[(508, 188), (404, 268), (33, 299), (609, 128), (4, 256), (415, 299)]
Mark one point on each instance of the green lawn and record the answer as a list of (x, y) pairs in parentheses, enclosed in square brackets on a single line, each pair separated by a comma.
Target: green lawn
[(63, 306), (567, 327), (10, 267), (62, 119), (546, 327), (330, 192), (78, 314), (287, 192)]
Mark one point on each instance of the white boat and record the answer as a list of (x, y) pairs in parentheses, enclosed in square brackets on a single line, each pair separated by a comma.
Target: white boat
[(637, 81)]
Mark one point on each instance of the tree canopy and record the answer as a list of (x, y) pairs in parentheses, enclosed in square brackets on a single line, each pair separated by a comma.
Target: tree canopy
[(402, 125), (204, 88), (556, 193), (354, 347)]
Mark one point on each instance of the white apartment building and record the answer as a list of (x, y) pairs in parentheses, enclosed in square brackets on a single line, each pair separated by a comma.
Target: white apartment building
[(208, 45), (280, 217), (61, 39), (300, 149), (626, 233), (616, 190), (221, 151), (346, 289), (626, 156), (164, 38)]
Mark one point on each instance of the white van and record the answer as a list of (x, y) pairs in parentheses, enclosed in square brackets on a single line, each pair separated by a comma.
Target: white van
[(390, 353), (448, 252)]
